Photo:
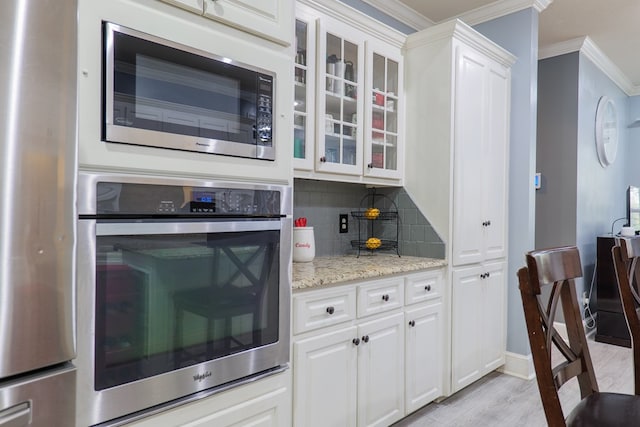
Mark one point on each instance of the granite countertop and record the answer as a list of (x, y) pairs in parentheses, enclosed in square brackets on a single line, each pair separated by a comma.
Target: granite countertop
[(324, 271)]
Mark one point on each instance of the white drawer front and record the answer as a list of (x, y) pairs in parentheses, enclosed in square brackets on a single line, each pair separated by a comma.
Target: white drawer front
[(380, 296), (423, 286), (323, 308)]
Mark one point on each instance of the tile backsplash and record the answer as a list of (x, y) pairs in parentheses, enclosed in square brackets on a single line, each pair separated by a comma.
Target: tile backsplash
[(321, 202)]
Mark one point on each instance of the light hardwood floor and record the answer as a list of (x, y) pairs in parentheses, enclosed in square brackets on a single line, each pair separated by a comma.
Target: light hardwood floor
[(502, 400)]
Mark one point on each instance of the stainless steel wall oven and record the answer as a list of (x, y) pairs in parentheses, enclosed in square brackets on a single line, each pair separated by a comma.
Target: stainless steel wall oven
[(183, 286)]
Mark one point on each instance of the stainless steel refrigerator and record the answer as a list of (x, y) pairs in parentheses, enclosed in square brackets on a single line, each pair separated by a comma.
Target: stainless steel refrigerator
[(37, 197)]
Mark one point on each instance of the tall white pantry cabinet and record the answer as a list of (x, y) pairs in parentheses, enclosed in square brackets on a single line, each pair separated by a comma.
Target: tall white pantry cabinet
[(458, 104)]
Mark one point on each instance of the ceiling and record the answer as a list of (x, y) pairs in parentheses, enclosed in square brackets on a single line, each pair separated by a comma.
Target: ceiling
[(610, 25)]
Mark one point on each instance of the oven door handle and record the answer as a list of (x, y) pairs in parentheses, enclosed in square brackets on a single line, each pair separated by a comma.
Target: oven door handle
[(142, 228)]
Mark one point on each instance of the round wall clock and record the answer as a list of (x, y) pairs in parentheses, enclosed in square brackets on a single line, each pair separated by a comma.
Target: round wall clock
[(606, 131)]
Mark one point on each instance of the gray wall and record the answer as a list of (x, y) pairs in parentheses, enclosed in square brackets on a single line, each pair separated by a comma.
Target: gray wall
[(580, 199), (518, 33), (600, 191), (321, 202), (633, 140), (557, 150)]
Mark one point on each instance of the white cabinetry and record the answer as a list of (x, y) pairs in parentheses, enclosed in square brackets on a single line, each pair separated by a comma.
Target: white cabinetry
[(458, 96), (265, 403), (169, 22), (383, 147), (325, 379), (481, 147), (479, 314), (304, 87), (356, 74), (338, 145), (424, 365), (381, 371), (271, 19), (374, 358), (196, 6)]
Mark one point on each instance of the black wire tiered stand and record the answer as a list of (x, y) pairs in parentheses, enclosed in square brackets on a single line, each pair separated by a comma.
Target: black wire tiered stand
[(383, 226)]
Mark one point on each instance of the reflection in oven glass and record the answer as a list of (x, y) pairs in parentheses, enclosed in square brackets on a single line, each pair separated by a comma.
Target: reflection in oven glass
[(164, 302)]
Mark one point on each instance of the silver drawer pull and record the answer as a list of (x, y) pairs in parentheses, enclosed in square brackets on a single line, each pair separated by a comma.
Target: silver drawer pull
[(16, 416)]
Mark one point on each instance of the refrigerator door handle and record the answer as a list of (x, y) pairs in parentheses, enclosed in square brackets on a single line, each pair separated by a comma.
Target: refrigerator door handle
[(16, 416)]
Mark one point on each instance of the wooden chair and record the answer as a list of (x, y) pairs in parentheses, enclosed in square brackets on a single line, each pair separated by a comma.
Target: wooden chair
[(626, 253), (557, 269)]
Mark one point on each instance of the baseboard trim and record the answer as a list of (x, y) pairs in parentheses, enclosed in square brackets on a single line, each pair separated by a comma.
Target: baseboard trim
[(518, 365)]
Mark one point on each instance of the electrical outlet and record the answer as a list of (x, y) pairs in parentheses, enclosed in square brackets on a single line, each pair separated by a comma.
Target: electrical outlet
[(585, 300), (344, 223)]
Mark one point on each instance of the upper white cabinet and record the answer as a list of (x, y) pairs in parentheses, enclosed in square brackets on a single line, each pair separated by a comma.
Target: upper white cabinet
[(458, 106), (304, 96), (196, 6), (481, 157), (349, 96), (271, 19), (338, 88), (382, 140)]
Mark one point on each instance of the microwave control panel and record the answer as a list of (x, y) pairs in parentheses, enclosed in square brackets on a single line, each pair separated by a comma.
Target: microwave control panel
[(265, 109)]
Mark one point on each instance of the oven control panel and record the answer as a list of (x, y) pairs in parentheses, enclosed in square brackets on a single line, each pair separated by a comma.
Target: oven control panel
[(151, 199)]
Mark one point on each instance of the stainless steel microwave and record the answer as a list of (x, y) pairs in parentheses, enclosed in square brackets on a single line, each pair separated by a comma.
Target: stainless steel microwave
[(159, 93)]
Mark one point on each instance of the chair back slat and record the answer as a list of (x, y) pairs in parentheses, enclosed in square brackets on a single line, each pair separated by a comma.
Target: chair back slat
[(556, 269), (626, 253), (555, 265), (566, 371), (537, 340)]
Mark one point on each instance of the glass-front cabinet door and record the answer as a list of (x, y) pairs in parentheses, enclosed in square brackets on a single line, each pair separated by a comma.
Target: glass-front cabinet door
[(339, 88), (382, 141), (304, 84)]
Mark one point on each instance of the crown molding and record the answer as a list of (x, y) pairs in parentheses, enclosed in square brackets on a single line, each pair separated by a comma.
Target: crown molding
[(408, 16), (402, 13), (358, 20), (561, 48), (501, 8), (461, 31), (590, 50)]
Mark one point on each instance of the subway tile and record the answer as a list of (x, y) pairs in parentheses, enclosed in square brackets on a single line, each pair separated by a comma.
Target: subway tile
[(322, 202)]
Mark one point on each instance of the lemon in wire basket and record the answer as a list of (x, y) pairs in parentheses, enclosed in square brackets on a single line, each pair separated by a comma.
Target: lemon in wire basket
[(373, 243), (372, 213)]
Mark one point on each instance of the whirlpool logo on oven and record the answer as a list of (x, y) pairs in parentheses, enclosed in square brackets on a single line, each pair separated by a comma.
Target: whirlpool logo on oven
[(202, 377)]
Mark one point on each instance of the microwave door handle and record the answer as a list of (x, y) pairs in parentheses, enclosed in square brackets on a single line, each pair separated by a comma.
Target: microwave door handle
[(255, 133), (144, 228)]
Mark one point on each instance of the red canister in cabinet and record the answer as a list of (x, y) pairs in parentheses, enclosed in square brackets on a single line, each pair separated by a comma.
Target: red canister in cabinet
[(377, 123)]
